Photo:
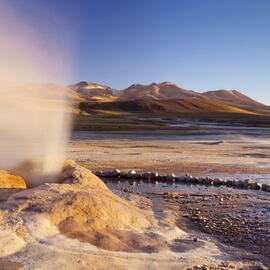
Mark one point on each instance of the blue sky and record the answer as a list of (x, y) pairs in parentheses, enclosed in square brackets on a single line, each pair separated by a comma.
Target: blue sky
[(200, 45)]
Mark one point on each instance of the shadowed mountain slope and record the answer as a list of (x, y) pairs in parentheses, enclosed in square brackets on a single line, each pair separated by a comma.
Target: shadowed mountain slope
[(160, 106)]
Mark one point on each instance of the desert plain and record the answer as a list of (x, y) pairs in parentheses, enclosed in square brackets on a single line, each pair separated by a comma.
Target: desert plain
[(213, 150), (135, 224)]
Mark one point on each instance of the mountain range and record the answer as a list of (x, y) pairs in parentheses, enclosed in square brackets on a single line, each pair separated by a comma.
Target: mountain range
[(162, 97)]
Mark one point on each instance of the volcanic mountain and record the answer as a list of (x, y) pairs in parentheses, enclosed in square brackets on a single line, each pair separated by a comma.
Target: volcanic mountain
[(157, 91), (164, 97)]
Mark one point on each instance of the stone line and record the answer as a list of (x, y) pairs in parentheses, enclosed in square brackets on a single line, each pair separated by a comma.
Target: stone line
[(186, 179)]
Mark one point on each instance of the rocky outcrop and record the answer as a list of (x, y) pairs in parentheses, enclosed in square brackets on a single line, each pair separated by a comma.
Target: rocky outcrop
[(82, 207), (9, 180), (77, 221)]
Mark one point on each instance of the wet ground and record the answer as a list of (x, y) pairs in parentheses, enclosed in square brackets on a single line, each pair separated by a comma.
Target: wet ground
[(238, 218)]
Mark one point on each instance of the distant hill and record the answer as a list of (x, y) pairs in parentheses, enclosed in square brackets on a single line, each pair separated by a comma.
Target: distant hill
[(158, 91), (161, 98), (236, 98)]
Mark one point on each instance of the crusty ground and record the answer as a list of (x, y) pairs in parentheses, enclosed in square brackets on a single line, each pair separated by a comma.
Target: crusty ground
[(196, 155), (80, 224)]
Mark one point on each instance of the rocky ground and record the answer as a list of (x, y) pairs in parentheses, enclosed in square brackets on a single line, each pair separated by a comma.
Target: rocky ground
[(247, 225), (234, 218), (78, 223)]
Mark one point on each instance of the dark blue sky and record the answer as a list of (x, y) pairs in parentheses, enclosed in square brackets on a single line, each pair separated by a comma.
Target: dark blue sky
[(200, 45)]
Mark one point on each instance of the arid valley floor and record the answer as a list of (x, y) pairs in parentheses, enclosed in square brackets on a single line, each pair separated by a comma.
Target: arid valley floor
[(82, 224), (229, 152)]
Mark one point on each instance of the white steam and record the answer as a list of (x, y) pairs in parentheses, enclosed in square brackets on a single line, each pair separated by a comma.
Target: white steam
[(34, 121)]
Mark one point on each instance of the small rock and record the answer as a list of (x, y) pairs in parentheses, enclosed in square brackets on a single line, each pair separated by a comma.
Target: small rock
[(99, 173), (170, 177), (131, 174), (116, 172), (146, 175), (107, 174), (217, 181), (154, 175), (265, 187)]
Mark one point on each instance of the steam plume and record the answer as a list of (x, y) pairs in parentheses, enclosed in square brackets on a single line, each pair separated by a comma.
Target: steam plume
[(34, 123)]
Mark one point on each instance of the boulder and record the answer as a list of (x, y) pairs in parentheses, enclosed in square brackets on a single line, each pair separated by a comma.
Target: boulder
[(266, 187), (208, 181), (123, 175), (154, 175), (194, 180), (146, 175), (131, 174), (257, 186), (234, 183), (9, 180), (246, 183), (180, 179), (116, 172), (217, 181), (229, 183), (240, 184), (170, 177), (99, 173), (162, 178), (200, 180)]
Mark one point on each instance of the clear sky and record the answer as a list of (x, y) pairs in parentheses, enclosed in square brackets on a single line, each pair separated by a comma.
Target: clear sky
[(197, 44)]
